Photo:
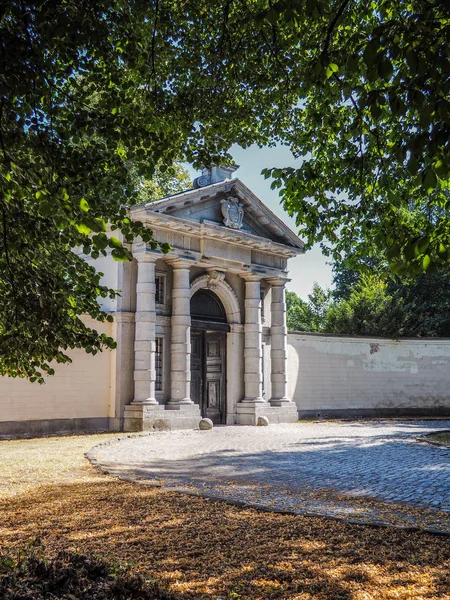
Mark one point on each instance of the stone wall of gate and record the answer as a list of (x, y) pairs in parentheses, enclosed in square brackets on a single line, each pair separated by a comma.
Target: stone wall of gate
[(333, 376)]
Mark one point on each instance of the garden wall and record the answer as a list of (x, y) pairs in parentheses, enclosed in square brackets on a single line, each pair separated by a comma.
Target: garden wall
[(333, 376), (79, 397)]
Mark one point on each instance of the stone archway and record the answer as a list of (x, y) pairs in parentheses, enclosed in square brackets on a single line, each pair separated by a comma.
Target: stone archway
[(214, 346), (215, 282), (208, 355)]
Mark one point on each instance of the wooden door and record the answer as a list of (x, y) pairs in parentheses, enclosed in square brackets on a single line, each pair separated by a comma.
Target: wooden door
[(214, 393), (208, 373), (197, 367)]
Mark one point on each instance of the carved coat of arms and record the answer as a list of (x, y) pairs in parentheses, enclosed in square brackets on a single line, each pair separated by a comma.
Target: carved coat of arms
[(233, 212)]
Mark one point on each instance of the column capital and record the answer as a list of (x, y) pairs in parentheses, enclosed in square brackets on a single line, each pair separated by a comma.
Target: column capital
[(251, 277), (144, 256), (278, 281), (179, 263)]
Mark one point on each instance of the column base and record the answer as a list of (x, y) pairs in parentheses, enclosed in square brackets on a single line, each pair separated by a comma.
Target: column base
[(248, 414), (147, 402), (280, 401), (150, 417), (257, 400), (183, 402)]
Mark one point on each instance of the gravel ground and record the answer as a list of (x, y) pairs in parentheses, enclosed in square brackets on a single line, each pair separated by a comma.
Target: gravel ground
[(364, 472), (198, 548)]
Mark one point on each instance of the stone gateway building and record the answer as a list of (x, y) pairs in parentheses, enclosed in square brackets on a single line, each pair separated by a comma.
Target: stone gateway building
[(201, 332), (206, 322)]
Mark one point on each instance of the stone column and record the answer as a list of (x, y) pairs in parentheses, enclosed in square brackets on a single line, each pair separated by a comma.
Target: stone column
[(278, 347), (253, 376), (180, 371), (144, 343)]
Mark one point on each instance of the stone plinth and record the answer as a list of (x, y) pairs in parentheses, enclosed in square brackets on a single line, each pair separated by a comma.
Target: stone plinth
[(148, 417), (248, 414)]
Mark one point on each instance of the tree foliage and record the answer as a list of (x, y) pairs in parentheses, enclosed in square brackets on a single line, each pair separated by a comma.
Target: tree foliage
[(369, 310), (310, 315), (298, 316), (372, 124), (417, 306), (162, 184), (96, 95), (373, 302)]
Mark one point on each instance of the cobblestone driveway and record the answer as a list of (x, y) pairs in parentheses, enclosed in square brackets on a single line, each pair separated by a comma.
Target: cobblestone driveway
[(362, 471)]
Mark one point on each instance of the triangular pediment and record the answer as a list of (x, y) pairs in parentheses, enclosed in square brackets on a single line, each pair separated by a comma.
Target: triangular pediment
[(229, 204)]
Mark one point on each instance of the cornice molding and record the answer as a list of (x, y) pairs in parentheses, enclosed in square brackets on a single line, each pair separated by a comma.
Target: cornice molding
[(253, 206), (210, 230)]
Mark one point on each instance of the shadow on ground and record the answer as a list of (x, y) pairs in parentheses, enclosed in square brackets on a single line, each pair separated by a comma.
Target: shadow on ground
[(381, 479), (202, 549)]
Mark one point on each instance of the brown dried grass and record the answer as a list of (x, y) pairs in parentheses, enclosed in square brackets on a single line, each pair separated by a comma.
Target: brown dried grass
[(204, 549), (441, 437)]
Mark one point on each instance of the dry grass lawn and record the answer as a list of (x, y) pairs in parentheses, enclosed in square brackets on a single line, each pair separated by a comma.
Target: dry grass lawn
[(203, 549), (442, 437)]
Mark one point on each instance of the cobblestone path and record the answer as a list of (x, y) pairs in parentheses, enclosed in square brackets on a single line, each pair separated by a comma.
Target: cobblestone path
[(369, 472)]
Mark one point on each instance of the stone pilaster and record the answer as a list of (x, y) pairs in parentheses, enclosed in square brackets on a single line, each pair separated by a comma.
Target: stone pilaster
[(145, 344), (180, 372), (123, 372), (278, 346), (253, 375)]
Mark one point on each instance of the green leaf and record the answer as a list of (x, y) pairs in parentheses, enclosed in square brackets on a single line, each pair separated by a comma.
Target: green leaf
[(331, 68), (115, 243), (385, 69), (370, 53), (411, 59), (83, 228), (84, 205), (375, 111), (441, 168), (421, 245), (352, 64), (429, 180), (45, 208), (119, 254)]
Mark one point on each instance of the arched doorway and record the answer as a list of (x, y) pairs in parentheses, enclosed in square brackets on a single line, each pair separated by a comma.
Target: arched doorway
[(208, 355)]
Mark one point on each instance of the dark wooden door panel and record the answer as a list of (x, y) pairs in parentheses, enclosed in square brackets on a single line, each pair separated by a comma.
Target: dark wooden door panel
[(197, 367), (208, 373), (215, 376)]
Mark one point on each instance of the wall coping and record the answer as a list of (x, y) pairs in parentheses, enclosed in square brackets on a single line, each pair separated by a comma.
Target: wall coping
[(378, 339)]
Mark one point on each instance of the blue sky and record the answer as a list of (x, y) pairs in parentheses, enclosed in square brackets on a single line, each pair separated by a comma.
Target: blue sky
[(304, 270)]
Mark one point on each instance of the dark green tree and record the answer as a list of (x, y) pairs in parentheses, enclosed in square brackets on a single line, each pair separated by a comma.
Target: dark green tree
[(425, 303), (420, 306), (298, 314), (369, 310), (310, 315)]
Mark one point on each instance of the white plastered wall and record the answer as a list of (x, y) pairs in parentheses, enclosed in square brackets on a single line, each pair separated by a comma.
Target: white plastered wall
[(345, 373), (80, 390)]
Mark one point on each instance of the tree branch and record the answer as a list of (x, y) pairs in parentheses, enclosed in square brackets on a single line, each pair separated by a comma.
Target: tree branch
[(333, 25), (153, 73)]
